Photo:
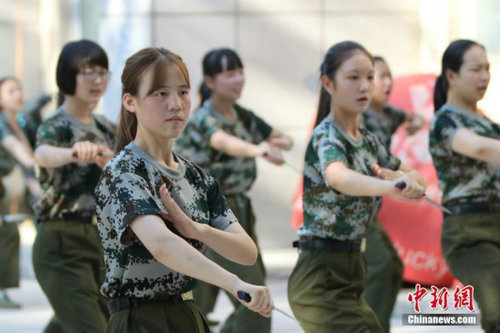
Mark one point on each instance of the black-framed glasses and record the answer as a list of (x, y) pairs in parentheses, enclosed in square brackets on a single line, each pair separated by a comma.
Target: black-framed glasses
[(92, 75)]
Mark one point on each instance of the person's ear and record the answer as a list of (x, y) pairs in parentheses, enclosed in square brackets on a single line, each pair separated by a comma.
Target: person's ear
[(129, 103), (327, 84), (450, 76)]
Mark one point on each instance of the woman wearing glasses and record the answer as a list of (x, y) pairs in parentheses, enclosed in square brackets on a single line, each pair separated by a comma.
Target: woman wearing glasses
[(72, 147)]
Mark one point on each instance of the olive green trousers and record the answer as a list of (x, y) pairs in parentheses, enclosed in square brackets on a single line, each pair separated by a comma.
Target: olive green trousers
[(384, 274), (471, 247), (69, 266), (172, 316), (324, 291), (9, 256)]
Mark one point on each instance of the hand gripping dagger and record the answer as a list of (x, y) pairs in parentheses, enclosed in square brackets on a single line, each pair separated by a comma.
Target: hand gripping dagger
[(247, 298), (402, 185)]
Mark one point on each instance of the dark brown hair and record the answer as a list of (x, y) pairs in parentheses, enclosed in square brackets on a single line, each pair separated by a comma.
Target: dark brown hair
[(157, 59), (334, 58), (453, 58)]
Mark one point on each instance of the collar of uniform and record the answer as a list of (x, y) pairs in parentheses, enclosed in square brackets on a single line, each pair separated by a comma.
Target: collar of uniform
[(355, 142), (75, 121), (167, 172), (466, 113), (226, 121)]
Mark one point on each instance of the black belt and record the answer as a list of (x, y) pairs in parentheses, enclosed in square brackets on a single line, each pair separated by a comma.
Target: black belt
[(474, 208), (122, 302), (328, 245)]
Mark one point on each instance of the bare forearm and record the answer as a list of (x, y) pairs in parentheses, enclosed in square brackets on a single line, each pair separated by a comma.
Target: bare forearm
[(234, 146), (353, 183), (52, 157), (475, 146), (180, 256), (22, 154), (235, 246)]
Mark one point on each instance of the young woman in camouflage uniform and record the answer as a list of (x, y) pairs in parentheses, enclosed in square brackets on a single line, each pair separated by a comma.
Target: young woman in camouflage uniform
[(157, 210), (465, 147), (72, 148), (14, 148), (225, 139), (341, 197), (384, 267)]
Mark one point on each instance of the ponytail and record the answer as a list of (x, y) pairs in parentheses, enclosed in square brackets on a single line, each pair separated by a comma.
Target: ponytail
[(126, 130), (323, 107), (440, 92), (205, 92)]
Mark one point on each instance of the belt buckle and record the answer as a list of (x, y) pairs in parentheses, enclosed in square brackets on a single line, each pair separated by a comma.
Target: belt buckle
[(94, 220), (188, 295), (362, 247)]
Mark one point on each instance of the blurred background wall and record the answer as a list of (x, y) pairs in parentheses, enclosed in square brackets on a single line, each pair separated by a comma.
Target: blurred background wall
[(281, 43)]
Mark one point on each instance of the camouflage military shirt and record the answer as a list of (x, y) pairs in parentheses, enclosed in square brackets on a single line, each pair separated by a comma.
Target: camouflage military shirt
[(69, 189), (129, 187), (7, 161), (234, 174), (463, 179), (329, 213), (383, 125)]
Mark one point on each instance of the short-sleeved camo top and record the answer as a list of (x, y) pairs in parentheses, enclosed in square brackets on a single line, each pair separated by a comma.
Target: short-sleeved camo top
[(463, 179), (69, 189), (130, 187), (384, 124), (327, 212), (7, 161), (234, 174)]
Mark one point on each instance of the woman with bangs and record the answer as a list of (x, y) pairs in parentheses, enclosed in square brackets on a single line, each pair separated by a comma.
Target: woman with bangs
[(341, 195), (225, 138), (72, 147), (157, 210)]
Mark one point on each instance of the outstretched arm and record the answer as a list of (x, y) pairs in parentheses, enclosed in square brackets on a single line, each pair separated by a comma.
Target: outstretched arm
[(351, 182), (234, 146), (472, 145), (174, 252)]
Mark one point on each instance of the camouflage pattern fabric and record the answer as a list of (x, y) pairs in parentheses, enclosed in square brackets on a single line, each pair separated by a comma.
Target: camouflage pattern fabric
[(463, 179), (383, 125), (7, 161), (234, 174), (129, 187), (69, 190), (327, 212)]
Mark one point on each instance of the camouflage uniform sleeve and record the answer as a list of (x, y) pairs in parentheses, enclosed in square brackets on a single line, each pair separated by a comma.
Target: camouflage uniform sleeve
[(384, 157), (445, 128), (128, 197), (329, 149), (48, 134), (208, 126), (262, 128), (221, 216)]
